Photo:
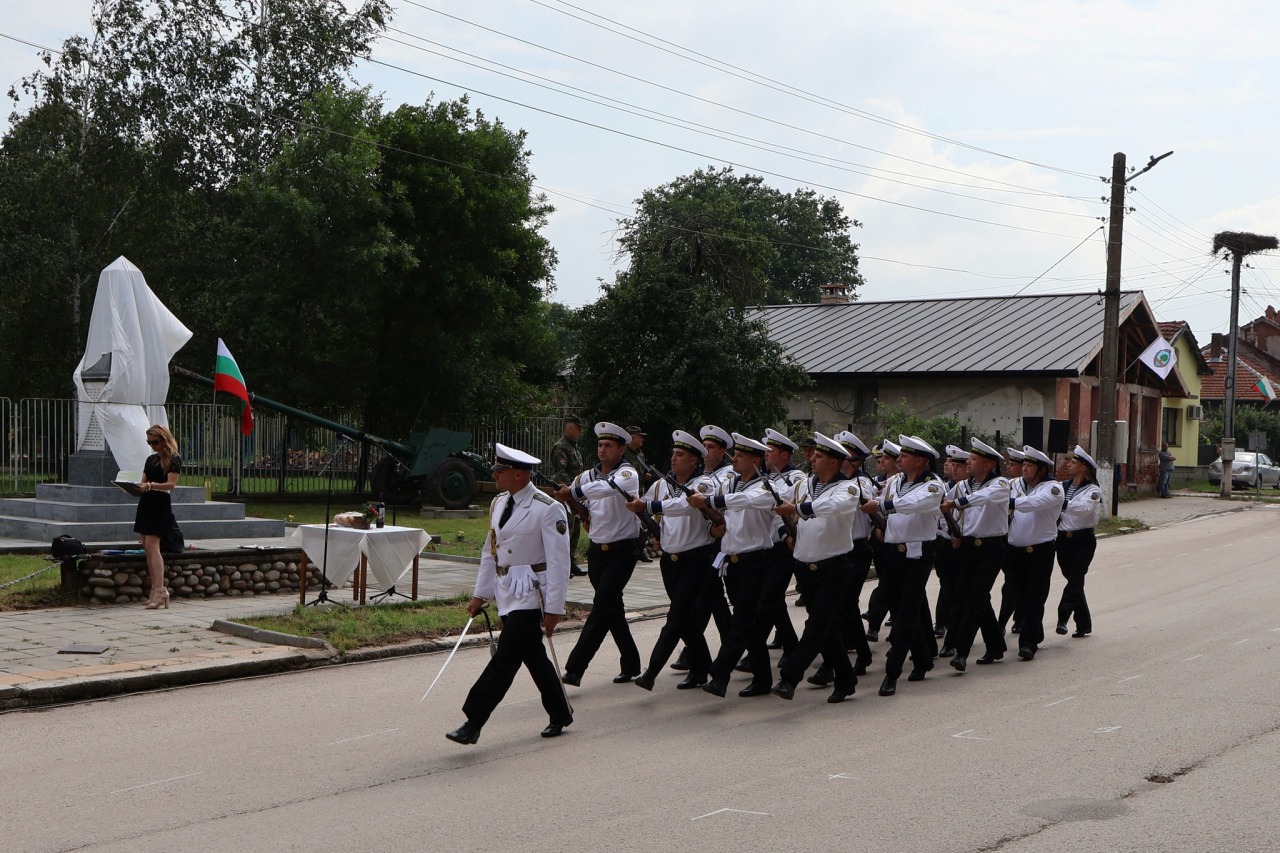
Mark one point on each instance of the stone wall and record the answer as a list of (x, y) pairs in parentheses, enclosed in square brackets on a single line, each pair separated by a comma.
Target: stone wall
[(122, 578)]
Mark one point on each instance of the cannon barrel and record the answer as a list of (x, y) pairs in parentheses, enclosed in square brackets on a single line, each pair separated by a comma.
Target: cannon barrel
[(401, 451)]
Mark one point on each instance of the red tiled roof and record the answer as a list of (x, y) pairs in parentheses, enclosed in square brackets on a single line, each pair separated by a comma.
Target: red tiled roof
[(1248, 369)]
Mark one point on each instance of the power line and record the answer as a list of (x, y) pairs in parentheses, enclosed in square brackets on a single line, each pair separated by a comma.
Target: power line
[(1060, 260), (793, 91), (30, 43)]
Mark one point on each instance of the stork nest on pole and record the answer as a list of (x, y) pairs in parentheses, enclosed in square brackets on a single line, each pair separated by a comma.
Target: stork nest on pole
[(1241, 243)]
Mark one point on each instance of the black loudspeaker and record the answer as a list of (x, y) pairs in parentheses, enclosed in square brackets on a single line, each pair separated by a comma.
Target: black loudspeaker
[(1033, 432), (1058, 428)]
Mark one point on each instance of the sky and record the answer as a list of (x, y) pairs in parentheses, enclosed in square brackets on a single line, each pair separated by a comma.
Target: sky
[(969, 139)]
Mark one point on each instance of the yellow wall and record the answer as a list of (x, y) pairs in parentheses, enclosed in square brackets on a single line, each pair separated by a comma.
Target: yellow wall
[(1188, 430)]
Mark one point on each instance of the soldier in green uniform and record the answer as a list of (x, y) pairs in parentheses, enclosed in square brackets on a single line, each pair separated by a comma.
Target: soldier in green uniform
[(566, 464)]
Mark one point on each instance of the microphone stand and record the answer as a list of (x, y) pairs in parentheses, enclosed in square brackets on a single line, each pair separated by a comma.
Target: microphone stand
[(323, 597)]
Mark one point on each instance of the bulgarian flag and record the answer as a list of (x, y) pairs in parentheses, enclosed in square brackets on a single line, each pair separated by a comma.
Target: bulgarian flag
[(227, 377), (1265, 388)]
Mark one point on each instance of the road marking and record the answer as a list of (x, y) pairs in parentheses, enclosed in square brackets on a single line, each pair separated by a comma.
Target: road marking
[(1183, 554), (361, 737), (1106, 730), (1238, 642), (1202, 550), (1193, 657), (161, 782), (518, 701), (842, 776), (966, 736), (1130, 678), (1060, 701), (723, 811)]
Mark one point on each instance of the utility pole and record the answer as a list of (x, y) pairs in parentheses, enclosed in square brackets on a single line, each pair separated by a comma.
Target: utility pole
[(1109, 367)]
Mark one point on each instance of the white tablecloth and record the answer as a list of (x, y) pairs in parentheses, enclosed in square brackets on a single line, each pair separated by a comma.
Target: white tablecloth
[(390, 550)]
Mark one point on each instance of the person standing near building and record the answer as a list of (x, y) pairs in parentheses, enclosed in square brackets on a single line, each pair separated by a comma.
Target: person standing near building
[(1033, 534), (1166, 468), (524, 567), (611, 554), (566, 465), (1081, 507)]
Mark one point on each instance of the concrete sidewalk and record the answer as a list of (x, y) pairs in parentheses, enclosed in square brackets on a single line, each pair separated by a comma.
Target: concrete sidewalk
[(157, 648)]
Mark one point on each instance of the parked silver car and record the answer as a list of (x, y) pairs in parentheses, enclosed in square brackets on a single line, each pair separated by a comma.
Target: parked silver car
[(1251, 470)]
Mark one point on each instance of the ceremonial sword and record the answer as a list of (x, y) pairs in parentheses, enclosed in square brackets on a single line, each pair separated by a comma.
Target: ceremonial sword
[(542, 608), (465, 628)]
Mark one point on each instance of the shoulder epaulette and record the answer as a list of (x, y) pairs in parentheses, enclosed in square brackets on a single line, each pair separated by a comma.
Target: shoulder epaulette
[(543, 497)]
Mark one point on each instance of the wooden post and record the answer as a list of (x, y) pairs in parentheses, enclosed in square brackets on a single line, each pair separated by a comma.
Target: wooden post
[(415, 577), (302, 580)]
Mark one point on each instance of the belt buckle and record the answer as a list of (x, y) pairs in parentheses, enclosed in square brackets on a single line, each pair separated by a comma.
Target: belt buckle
[(675, 558), (1068, 532), (604, 546), (1030, 549), (902, 549), (977, 543), (813, 567), (733, 558)]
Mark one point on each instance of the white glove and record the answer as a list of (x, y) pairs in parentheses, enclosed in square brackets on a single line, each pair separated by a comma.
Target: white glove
[(520, 579)]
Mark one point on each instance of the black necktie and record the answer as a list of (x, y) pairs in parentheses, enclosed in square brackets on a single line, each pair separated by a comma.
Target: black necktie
[(506, 511)]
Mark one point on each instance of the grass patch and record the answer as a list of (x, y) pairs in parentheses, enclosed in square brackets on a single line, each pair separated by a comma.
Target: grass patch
[(1120, 525), (347, 628), (43, 590)]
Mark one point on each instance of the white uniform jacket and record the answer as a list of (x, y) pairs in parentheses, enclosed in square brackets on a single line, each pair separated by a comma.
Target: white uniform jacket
[(786, 483), (537, 533), (749, 520), (1080, 506), (1035, 515), (865, 489), (683, 527), (912, 509), (825, 526), (985, 505), (611, 521)]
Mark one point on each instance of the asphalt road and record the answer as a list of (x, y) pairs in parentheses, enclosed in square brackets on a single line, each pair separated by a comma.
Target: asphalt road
[(1178, 683)]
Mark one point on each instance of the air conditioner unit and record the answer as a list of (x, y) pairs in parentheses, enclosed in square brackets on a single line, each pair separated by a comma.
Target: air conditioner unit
[(1195, 413)]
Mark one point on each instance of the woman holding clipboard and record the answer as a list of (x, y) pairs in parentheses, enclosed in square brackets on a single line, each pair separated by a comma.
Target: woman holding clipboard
[(155, 508)]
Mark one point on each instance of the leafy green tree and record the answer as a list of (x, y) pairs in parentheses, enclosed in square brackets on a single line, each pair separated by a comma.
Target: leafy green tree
[(1248, 419), (939, 430)]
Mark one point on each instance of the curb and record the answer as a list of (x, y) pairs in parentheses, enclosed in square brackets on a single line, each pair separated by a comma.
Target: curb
[(274, 638)]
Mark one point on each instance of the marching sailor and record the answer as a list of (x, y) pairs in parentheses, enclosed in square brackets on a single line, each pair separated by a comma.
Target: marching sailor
[(1033, 533), (1082, 504), (946, 559), (1009, 590), (687, 551), (785, 478), (611, 554), (877, 604), (824, 507), (911, 503), (525, 568), (984, 528)]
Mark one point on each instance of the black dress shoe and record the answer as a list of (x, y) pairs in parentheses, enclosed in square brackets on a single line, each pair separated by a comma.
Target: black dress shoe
[(624, 677), (1061, 629), (743, 665), (889, 686), (1078, 634), (774, 644), (946, 652), (691, 682), (682, 662), (465, 733), (839, 695), (715, 688), (990, 657), (1026, 654), (785, 690), (1016, 629), (800, 602), (860, 667), (917, 675), (644, 681), (959, 664), (754, 689), (888, 623), (572, 679), (873, 637), (939, 631), (822, 677), (575, 572), (556, 729)]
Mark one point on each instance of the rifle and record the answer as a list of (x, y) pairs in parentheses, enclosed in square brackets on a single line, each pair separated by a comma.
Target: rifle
[(789, 522), (571, 502), (952, 527), (708, 513), (650, 526)]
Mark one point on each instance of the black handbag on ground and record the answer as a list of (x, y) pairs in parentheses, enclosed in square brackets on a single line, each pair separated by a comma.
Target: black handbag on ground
[(173, 541), (67, 546)]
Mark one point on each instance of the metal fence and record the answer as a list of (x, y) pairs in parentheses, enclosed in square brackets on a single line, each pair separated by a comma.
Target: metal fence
[(283, 457)]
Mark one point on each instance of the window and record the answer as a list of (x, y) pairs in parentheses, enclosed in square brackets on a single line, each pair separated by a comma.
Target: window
[(1171, 430)]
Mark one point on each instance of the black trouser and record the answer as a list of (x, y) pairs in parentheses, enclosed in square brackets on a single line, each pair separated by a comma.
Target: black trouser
[(745, 581), (575, 533), (878, 602), (848, 612), (1010, 592), (981, 562), (1075, 553), (608, 568), (912, 631), (686, 576), (774, 600), (519, 643), (946, 560), (820, 583), (1032, 565)]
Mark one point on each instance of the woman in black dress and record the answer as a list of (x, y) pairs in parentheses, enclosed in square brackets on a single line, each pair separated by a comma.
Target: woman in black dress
[(155, 510)]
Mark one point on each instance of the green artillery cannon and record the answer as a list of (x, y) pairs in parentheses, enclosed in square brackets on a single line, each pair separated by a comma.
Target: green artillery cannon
[(435, 463)]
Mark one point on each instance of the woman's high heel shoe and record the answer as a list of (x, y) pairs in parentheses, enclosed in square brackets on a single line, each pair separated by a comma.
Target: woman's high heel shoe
[(159, 598)]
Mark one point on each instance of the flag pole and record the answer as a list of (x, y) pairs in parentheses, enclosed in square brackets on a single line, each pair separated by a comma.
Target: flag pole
[(209, 447)]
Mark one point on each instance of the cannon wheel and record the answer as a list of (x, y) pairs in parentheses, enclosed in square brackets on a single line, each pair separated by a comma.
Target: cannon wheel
[(452, 485), (389, 483)]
